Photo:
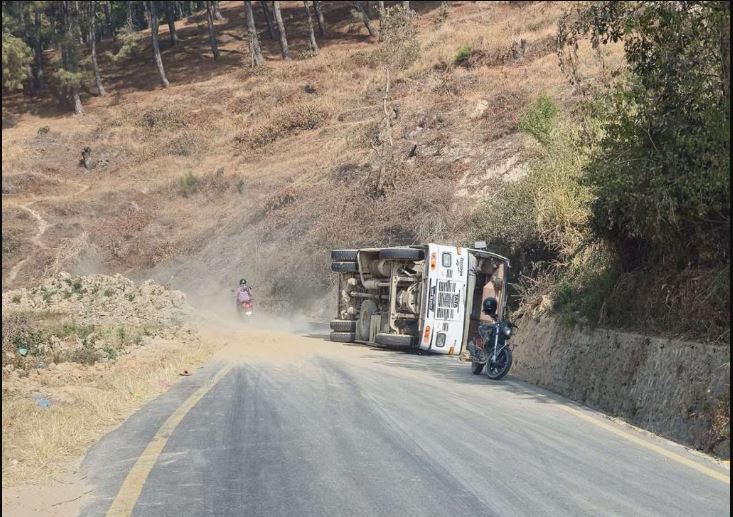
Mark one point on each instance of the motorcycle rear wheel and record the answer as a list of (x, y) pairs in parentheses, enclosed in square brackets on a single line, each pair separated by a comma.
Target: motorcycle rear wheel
[(477, 368), (497, 370)]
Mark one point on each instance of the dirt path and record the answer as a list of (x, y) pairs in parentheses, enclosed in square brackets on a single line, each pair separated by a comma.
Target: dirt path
[(35, 241), (42, 223)]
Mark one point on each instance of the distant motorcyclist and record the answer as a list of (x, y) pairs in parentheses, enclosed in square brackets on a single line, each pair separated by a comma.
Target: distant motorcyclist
[(244, 292), (244, 298)]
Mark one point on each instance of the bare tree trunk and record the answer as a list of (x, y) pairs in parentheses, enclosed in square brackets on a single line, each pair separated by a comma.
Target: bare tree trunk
[(311, 34), (130, 23), (169, 16), (319, 17), (365, 17), (38, 51), (212, 30), (69, 57), (254, 40), (217, 12), (268, 17), (281, 29), (82, 35), (382, 12), (93, 42), (153, 22), (387, 143), (108, 29)]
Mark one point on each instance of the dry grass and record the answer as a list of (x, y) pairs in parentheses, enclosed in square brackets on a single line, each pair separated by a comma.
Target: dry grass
[(309, 124), (86, 404)]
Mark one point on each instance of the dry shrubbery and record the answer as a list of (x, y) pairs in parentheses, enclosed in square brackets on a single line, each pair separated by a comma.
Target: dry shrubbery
[(187, 143), (420, 207), (162, 117), (79, 354), (284, 122), (209, 185)]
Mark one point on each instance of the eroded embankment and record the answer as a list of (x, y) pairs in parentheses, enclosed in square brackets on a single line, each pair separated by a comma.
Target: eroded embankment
[(676, 389)]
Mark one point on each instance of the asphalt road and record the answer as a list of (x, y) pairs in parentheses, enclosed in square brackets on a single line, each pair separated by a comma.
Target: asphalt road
[(310, 428)]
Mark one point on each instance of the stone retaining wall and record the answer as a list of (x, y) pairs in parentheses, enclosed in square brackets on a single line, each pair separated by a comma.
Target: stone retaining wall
[(677, 389)]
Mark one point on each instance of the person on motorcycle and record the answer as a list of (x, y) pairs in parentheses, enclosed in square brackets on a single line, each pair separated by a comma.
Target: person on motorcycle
[(489, 306), (244, 293)]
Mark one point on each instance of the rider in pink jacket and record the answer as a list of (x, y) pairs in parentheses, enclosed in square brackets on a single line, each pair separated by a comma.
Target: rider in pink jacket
[(244, 293)]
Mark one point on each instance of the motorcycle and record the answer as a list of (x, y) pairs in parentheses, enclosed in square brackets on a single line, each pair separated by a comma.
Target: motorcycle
[(494, 353), (245, 306)]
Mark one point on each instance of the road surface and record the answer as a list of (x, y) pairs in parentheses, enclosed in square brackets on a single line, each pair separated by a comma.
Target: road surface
[(283, 425)]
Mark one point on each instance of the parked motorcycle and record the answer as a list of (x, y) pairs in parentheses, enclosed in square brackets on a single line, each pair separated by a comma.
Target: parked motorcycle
[(494, 353)]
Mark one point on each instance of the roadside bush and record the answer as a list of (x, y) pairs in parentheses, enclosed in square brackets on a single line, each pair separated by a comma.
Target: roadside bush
[(539, 119), (545, 213), (540, 221), (661, 170)]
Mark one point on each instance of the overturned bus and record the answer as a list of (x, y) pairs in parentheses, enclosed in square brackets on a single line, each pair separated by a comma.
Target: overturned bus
[(426, 297)]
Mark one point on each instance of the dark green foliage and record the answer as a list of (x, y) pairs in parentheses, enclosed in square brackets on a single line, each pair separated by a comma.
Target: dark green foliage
[(16, 58), (661, 172)]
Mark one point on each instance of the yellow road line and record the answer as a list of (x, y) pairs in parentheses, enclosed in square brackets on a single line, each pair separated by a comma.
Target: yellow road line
[(133, 485), (649, 445)]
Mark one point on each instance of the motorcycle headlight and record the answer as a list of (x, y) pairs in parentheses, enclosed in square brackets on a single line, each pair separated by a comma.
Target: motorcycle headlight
[(507, 331)]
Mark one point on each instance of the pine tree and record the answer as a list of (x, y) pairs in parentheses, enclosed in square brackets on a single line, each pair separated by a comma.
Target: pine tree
[(93, 45), (311, 35), (170, 18), (281, 29), (152, 15), (212, 30), (254, 40)]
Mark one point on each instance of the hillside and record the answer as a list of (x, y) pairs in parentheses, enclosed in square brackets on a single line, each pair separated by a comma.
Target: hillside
[(230, 172), (588, 142)]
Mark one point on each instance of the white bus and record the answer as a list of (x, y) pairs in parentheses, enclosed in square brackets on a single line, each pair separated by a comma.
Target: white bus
[(426, 297)]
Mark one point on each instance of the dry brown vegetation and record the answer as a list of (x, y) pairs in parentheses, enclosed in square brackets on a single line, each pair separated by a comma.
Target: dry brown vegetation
[(78, 355), (233, 171)]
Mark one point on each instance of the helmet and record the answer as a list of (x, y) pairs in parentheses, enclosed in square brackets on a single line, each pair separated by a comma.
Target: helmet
[(490, 305), (242, 281)]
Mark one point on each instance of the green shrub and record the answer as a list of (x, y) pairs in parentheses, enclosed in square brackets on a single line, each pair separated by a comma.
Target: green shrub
[(189, 184), (463, 55), (539, 119), (111, 353)]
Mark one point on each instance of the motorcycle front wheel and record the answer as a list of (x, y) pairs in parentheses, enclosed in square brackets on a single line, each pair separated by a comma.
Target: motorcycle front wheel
[(495, 370)]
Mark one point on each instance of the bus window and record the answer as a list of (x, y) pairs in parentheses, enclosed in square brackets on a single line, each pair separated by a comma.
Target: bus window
[(446, 259)]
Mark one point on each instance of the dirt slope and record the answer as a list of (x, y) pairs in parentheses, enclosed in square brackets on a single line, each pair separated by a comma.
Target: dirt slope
[(231, 172)]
